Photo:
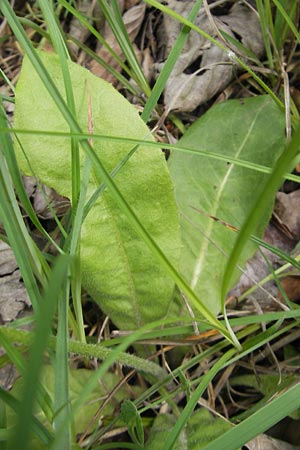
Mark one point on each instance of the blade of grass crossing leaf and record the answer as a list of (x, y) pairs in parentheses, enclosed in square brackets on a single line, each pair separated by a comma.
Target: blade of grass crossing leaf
[(259, 422), (169, 65), (176, 147), (189, 408), (61, 390), (114, 19), (103, 174), (95, 33), (265, 31), (75, 250), (11, 212), (187, 22), (36, 426), (59, 45), (44, 318), (287, 19), (23, 197), (3, 424), (18, 361), (11, 218), (284, 164)]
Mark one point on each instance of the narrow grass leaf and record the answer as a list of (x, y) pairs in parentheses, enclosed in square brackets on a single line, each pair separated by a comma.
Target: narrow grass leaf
[(189, 408), (59, 46), (259, 422), (285, 163), (152, 144), (27, 255), (287, 19), (187, 22), (3, 424), (169, 65), (114, 19), (35, 425), (44, 318), (62, 416)]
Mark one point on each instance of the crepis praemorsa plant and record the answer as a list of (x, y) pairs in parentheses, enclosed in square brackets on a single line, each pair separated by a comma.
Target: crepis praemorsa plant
[(118, 269)]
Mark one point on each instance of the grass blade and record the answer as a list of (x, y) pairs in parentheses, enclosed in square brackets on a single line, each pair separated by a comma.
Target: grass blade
[(259, 422), (169, 65), (44, 320), (284, 164)]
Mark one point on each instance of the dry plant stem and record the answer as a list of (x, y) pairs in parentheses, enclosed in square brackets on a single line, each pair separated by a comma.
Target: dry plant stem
[(106, 402), (223, 379), (213, 23), (286, 85), (204, 403), (191, 313), (291, 337), (268, 345)]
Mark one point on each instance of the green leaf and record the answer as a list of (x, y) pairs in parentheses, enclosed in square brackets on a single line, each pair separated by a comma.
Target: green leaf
[(133, 420), (248, 129), (118, 270), (86, 416), (201, 429)]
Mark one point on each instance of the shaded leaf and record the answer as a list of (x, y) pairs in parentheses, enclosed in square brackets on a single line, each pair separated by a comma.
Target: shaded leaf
[(248, 129), (133, 420), (201, 429), (85, 416)]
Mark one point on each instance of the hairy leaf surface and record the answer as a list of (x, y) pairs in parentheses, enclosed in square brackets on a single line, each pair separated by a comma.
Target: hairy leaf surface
[(201, 429), (118, 270), (248, 129)]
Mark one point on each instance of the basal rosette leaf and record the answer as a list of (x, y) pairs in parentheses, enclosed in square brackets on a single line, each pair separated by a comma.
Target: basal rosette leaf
[(251, 129), (118, 270)]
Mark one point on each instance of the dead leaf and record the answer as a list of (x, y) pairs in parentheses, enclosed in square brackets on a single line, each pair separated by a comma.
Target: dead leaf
[(287, 209), (132, 19), (14, 297), (77, 29), (291, 286), (203, 69), (265, 442), (45, 200)]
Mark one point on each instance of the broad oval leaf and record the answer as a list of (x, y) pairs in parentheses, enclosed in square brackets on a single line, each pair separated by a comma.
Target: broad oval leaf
[(248, 129), (201, 429), (118, 270)]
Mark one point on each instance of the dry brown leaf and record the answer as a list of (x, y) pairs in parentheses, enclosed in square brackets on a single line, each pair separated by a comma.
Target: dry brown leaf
[(45, 200), (287, 210), (203, 69), (291, 286), (14, 297), (132, 19), (265, 442), (77, 29)]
